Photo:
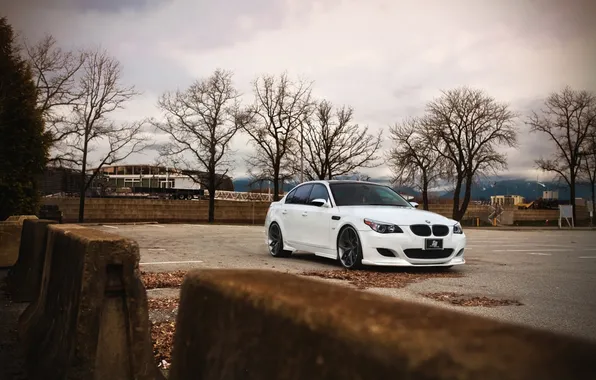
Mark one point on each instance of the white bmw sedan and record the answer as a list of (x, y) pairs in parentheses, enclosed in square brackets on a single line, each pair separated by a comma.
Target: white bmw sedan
[(361, 223)]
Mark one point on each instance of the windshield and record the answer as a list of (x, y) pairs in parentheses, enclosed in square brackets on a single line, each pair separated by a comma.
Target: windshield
[(366, 194)]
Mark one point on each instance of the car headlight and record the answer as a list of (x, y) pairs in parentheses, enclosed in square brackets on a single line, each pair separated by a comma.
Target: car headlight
[(382, 228), (457, 229)]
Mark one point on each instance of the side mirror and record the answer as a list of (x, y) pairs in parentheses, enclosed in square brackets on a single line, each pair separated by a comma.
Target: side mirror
[(415, 204), (319, 202)]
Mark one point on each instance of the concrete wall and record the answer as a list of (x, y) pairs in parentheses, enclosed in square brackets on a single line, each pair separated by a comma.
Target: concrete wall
[(165, 211), (90, 320), (239, 324)]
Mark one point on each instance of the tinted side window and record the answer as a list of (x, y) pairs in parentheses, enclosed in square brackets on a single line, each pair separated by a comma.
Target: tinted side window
[(289, 197), (301, 195), (318, 192)]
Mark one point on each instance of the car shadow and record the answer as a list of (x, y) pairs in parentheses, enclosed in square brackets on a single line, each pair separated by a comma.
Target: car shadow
[(331, 264)]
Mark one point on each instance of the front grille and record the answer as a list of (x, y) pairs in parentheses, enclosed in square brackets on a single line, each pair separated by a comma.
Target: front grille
[(417, 253), (420, 229), (440, 230)]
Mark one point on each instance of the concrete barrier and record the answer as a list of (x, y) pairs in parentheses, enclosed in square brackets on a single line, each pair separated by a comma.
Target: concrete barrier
[(24, 278), (90, 320), (10, 239), (238, 324)]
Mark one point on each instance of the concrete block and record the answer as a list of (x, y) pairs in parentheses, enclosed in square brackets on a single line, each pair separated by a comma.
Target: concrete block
[(24, 278), (20, 218), (238, 324), (90, 320), (10, 239)]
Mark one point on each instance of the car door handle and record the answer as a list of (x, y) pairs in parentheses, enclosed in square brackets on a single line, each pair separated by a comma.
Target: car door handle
[(304, 213), (284, 212)]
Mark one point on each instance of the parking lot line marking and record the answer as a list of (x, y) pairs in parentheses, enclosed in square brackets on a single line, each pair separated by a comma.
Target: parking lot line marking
[(528, 250), (539, 253), (156, 249), (587, 257), (155, 225), (170, 262), (106, 226)]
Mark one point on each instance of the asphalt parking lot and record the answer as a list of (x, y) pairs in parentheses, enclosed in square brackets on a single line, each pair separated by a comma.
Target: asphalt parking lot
[(551, 272)]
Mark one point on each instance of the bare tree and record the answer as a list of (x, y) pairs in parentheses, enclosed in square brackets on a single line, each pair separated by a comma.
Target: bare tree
[(567, 118), (101, 93), (55, 73), (588, 166), (201, 122), (469, 126), (273, 122), (413, 158), (334, 146)]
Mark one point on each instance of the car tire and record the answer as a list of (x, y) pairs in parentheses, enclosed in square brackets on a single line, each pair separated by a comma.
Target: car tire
[(349, 248), (275, 242)]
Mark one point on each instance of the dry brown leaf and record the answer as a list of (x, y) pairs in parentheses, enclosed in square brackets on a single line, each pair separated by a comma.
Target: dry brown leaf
[(364, 279), (162, 335), (163, 303), (153, 280), (467, 300)]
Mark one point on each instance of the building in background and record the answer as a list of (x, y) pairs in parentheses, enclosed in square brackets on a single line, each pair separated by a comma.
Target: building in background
[(119, 177), (506, 200), (549, 194)]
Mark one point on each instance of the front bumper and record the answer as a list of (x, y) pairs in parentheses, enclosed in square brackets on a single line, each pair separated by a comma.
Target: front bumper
[(390, 249)]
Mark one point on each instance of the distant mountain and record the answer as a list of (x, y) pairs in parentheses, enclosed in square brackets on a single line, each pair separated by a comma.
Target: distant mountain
[(528, 189)]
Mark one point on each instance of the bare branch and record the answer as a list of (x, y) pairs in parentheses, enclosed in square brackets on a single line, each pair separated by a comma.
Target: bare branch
[(201, 122), (100, 94), (272, 122), (413, 159), (568, 119), (334, 146), (469, 126)]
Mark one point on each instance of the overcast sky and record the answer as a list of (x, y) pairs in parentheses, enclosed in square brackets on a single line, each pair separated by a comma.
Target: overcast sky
[(386, 58)]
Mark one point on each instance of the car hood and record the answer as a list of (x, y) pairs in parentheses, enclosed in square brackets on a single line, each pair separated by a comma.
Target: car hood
[(396, 215)]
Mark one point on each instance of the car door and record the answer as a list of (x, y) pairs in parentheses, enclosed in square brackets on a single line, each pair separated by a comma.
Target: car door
[(295, 215), (318, 218)]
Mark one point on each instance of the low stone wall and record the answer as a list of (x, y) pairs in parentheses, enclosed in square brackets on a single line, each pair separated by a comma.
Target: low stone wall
[(90, 320), (103, 210), (24, 278), (239, 324), (164, 211)]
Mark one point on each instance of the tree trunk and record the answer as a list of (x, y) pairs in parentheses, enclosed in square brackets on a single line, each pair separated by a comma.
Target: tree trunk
[(467, 196), (83, 184), (211, 217), (572, 195), (455, 211), (275, 184), (425, 194), (593, 203)]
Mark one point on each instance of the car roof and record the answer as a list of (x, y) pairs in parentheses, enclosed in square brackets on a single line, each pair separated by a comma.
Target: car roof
[(339, 181)]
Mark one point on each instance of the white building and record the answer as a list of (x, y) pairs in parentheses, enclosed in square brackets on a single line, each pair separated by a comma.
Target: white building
[(129, 176)]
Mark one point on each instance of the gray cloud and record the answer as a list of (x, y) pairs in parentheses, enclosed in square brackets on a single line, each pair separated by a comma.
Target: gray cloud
[(356, 52), (107, 6)]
